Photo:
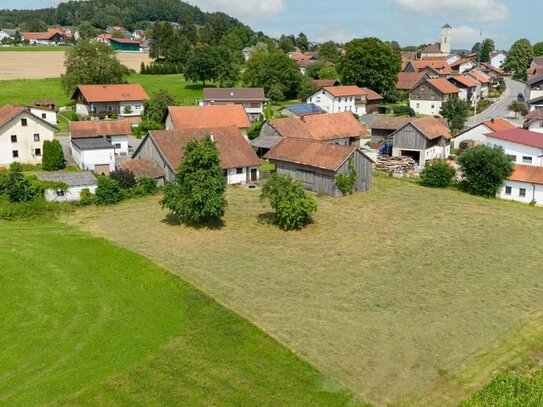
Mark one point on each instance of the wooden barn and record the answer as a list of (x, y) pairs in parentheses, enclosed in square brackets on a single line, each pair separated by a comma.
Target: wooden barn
[(316, 164)]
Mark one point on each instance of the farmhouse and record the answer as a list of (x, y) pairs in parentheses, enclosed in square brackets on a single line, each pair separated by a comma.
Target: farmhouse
[(476, 135), (125, 44), (114, 131), (252, 99), (22, 135), (427, 97), (422, 139), (353, 99), (407, 80), (238, 159), (523, 146), (205, 117), (316, 165), (93, 154), (525, 185), (76, 182), (467, 87), (51, 36), (107, 100), (47, 114)]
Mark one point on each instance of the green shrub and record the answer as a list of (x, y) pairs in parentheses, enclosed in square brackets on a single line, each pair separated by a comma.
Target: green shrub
[(18, 188), (108, 192), (345, 182), (254, 130), (38, 208), (125, 178), (404, 111), (145, 186), (16, 167), (86, 197), (53, 156), (438, 174)]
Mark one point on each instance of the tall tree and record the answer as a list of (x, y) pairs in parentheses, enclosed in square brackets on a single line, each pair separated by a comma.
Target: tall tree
[(371, 63), (228, 70), (90, 63), (538, 49), (286, 44), (456, 112), (302, 42), (86, 30), (203, 64), (53, 156), (196, 196), (329, 51), (519, 58), (486, 48), (188, 28), (156, 108)]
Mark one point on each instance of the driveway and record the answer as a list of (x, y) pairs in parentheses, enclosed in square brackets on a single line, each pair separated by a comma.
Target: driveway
[(501, 107)]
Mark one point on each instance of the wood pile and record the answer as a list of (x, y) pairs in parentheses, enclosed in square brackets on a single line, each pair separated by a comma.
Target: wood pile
[(396, 165)]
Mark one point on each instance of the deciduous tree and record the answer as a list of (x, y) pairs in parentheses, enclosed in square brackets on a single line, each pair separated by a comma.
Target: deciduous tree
[(53, 156), (302, 42), (329, 51), (203, 64), (518, 59), (456, 112), (538, 49), (156, 108)]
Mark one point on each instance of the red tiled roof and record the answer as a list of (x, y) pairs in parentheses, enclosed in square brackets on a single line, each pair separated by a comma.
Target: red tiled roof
[(460, 62), (440, 66), (371, 95), (432, 128), (98, 128), (480, 76), (142, 168), (8, 112), (340, 91), (234, 149), (325, 83), (111, 93), (465, 80), (443, 85), (310, 153), (499, 125), (291, 127), (209, 116), (124, 41), (233, 94), (406, 80), (527, 173), (432, 49), (519, 136)]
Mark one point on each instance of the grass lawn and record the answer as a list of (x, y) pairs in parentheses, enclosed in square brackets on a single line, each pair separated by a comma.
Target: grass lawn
[(34, 48), (406, 295), (87, 323)]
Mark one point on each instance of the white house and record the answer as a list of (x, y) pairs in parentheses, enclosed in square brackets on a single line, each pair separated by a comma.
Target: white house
[(93, 154), (497, 59), (336, 99), (463, 65), (525, 185), (477, 134), (533, 121), (114, 131), (533, 94), (523, 146), (7, 33), (49, 115), (484, 82), (428, 96), (22, 135), (252, 99), (76, 182)]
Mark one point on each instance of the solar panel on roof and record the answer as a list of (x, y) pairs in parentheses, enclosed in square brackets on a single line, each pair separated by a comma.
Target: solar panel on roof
[(304, 109)]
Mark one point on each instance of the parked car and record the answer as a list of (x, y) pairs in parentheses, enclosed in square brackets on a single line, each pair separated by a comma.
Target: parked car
[(520, 97)]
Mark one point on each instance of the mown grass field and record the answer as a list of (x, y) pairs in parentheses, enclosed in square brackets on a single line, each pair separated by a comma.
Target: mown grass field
[(34, 48), (86, 323), (407, 296)]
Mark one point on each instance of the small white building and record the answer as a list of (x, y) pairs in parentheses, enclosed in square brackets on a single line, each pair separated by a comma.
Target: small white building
[(76, 182), (523, 146), (337, 99), (114, 131), (22, 135), (477, 134), (94, 154), (497, 59), (525, 185)]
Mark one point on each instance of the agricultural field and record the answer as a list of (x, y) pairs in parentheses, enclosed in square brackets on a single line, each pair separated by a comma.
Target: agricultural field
[(406, 296), (87, 323)]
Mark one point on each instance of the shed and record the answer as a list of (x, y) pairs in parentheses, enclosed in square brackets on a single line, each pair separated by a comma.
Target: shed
[(125, 44), (144, 168), (94, 154), (76, 181)]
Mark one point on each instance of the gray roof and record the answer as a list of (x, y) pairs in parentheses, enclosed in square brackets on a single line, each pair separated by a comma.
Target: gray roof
[(72, 179), (92, 144), (446, 26), (266, 141)]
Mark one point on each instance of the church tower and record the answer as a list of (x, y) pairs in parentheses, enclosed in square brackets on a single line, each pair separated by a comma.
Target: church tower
[(446, 37)]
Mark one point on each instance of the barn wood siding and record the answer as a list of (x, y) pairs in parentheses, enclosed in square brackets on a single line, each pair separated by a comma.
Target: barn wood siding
[(363, 167), (409, 138), (426, 92), (149, 151)]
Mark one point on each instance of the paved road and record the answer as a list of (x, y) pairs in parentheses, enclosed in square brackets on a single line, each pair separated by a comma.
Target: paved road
[(500, 108)]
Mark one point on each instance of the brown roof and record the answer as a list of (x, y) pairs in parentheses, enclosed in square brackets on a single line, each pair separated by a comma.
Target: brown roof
[(8, 112), (111, 93), (499, 124), (325, 83), (460, 62), (143, 168), (465, 80), (432, 128), (371, 95), (533, 116), (443, 86), (209, 116), (480, 76), (234, 149), (382, 122), (125, 41), (232, 94), (492, 67), (98, 128), (310, 153), (406, 80), (527, 173), (440, 66), (432, 49), (340, 91), (291, 127)]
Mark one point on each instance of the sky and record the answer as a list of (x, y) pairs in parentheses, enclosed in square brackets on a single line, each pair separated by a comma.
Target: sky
[(410, 22)]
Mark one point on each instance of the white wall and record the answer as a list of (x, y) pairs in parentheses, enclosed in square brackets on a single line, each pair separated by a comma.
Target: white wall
[(137, 108), (82, 109), (433, 153), (88, 159), (428, 107), (476, 134), (519, 151), (498, 60), (233, 178), (72, 194), (123, 144), (533, 192), (49, 116), (536, 126), (331, 104)]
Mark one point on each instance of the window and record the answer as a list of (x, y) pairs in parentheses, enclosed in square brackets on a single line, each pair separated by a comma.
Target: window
[(15, 153), (37, 152), (526, 160), (318, 99), (14, 139), (117, 146), (522, 192), (36, 137), (239, 170), (541, 123), (60, 192), (24, 122), (137, 107), (110, 108), (418, 105), (339, 100), (44, 116), (507, 190)]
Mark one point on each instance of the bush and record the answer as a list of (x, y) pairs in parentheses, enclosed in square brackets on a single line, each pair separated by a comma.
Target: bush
[(18, 188), (438, 174), (125, 178), (86, 198), (293, 206), (345, 182), (38, 208), (404, 111), (53, 156), (144, 127), (108, 192), (254, 131), (145, 186)]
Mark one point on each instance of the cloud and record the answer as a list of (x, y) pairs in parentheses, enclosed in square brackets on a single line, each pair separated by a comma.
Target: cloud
[(465, 37), (333, 32), (246, 10), (472, 10)]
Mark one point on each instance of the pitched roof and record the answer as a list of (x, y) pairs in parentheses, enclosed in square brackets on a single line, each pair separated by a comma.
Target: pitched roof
[(465, 80), (232, 94), (480, 76), (124, 41), (519, 136), (210, 116), (406, 80), (305, 109), (310, 153), (492, 67), (340, 91), (291, 127), (499, 124), (72, 179), (432, 128), (234, 150), (535, 79), (527, 173), (443, 86), (461, 62), (533, 116), (142, 168), (382, 122), (111, 93), (324, 83), (371, 95), (98, 128), (432, 49), (440, 66), (8, 112)]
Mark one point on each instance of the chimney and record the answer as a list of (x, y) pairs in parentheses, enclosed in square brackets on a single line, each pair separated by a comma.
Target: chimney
[(492, 120), (231, 93), (212, 138)]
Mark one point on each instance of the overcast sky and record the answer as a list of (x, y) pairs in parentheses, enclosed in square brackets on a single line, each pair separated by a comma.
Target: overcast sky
[(410, 22)]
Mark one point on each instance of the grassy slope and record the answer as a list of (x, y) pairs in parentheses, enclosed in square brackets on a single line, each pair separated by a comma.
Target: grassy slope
[(34, 48), (86, 323), (404, 294)]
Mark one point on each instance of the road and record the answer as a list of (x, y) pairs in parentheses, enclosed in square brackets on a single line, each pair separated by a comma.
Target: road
[(500, 108)]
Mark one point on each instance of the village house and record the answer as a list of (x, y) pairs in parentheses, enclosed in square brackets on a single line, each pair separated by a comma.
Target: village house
[(522, 146), (144, 168), (353, 99), (422, 139), (325, 83), (301, 110), (467, 88), (252, 99), (496, 74), (93, 154), (442, 48), (463, 65), (49, 115), (497, 59), (51, 37), (22, 135), (239, 162), (525, 185), (534, 92), (476, 135), (533, 121), (408, 80), (100, 101), (115, 132), (483, 81), (6, 33), (427, 97), (316, 165), (434, 68), (76, 182), (210, 116)]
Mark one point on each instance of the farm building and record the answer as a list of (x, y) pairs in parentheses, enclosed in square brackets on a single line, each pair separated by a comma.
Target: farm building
[(93, 154), (125, 44), (76, 182), (114, 131), (252, 99), (476, 135), (144, 168), (525, 185), (316, 165)]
